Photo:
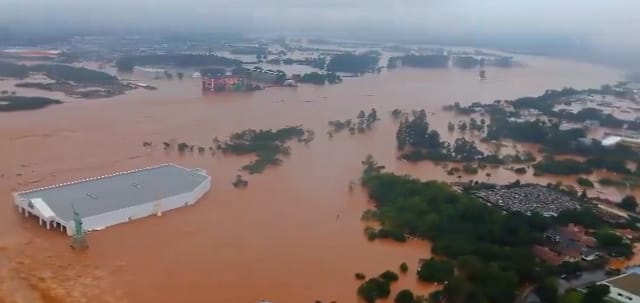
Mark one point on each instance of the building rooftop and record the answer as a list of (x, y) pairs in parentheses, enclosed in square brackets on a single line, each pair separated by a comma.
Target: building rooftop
[(628, 282), (116, 191)]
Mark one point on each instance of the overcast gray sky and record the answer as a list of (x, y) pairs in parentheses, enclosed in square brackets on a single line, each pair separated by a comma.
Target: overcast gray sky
[(604, 21)]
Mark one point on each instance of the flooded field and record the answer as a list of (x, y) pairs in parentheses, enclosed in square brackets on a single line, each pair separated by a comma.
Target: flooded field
[(294, 235)]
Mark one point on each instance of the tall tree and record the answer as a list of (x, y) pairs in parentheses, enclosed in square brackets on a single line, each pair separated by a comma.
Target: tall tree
[(596, 294), (629, 203)]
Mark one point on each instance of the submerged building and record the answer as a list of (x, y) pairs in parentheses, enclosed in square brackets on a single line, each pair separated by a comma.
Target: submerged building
[(112, 199), (624, 288)]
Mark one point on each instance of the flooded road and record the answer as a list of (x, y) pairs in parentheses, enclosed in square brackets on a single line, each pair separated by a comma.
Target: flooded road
[(294, 235)]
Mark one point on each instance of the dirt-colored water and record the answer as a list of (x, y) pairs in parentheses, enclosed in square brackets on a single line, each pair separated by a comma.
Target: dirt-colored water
[(294, 235)]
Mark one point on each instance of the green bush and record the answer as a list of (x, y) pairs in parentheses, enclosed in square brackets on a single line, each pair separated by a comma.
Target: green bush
[(584, 182), (434, 270), (404, 267), (389, 276)]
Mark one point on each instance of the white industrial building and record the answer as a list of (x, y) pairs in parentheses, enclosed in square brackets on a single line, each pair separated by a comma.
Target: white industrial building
[(112, 199), (624, 288)]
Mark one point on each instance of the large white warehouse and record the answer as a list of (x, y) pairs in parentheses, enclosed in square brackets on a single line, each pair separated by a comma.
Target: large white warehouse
[(112, 199)]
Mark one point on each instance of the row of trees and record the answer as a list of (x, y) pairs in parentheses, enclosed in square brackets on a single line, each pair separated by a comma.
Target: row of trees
[(321, 78), (363, 123), (18, 103), (58, 72), (12, 70), (442, 61), (418, 142), (424, 61), (354, 63), (127, 63)]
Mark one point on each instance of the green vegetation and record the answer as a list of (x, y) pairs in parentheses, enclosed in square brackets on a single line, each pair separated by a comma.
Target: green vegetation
[(549, 165), (467, 62), (404, 296), (547, 291), (434, 270), (469, 169), (36, 85), (320, 78), (267, 145), (605, 181), (389, 276), (629, 203), (57, 72), (571, 296), (18, 103), (239, 182), (74, 74), (613, 244), (374, 289), (404, 267), (520, 170), (127, 63), (424, 61), (364, 122), (354, 63), (491, 249), (556, 141), (545, 103), (12, 70), (418, 143), (584, 182), (360, 276), (596, 294)]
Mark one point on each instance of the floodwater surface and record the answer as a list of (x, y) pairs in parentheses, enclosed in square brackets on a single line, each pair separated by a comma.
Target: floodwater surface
[(294, 235)]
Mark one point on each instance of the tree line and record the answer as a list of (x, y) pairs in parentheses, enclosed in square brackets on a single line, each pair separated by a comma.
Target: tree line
[(488, 252), (18, 103), (127, 63), (57, 72)]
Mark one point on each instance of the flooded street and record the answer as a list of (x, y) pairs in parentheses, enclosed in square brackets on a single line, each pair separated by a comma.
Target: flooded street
[(294, 235)]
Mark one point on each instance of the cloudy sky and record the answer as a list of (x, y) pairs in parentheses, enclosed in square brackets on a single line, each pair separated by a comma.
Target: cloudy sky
[(608, 22)]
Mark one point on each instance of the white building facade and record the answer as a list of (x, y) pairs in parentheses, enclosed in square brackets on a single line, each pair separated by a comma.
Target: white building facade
[(122, 197), (624, 288)]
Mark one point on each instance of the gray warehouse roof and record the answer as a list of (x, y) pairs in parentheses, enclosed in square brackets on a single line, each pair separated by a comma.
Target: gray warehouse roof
[(112, 192)]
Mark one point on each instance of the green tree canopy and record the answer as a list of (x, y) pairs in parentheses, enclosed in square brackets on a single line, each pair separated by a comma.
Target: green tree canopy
[(629, 203), (374, 289), (404, 296), (434, 270), (389, 276)]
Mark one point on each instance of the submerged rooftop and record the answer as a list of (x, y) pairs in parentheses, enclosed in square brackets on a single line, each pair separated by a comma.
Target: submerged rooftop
[(104, 194)]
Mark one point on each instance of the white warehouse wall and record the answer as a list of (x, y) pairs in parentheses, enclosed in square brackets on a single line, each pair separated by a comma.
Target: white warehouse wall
[(140, 211), (623, 296)]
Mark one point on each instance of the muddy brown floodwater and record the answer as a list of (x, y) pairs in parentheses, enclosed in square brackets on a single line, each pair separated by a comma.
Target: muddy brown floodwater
[(294, 235)]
